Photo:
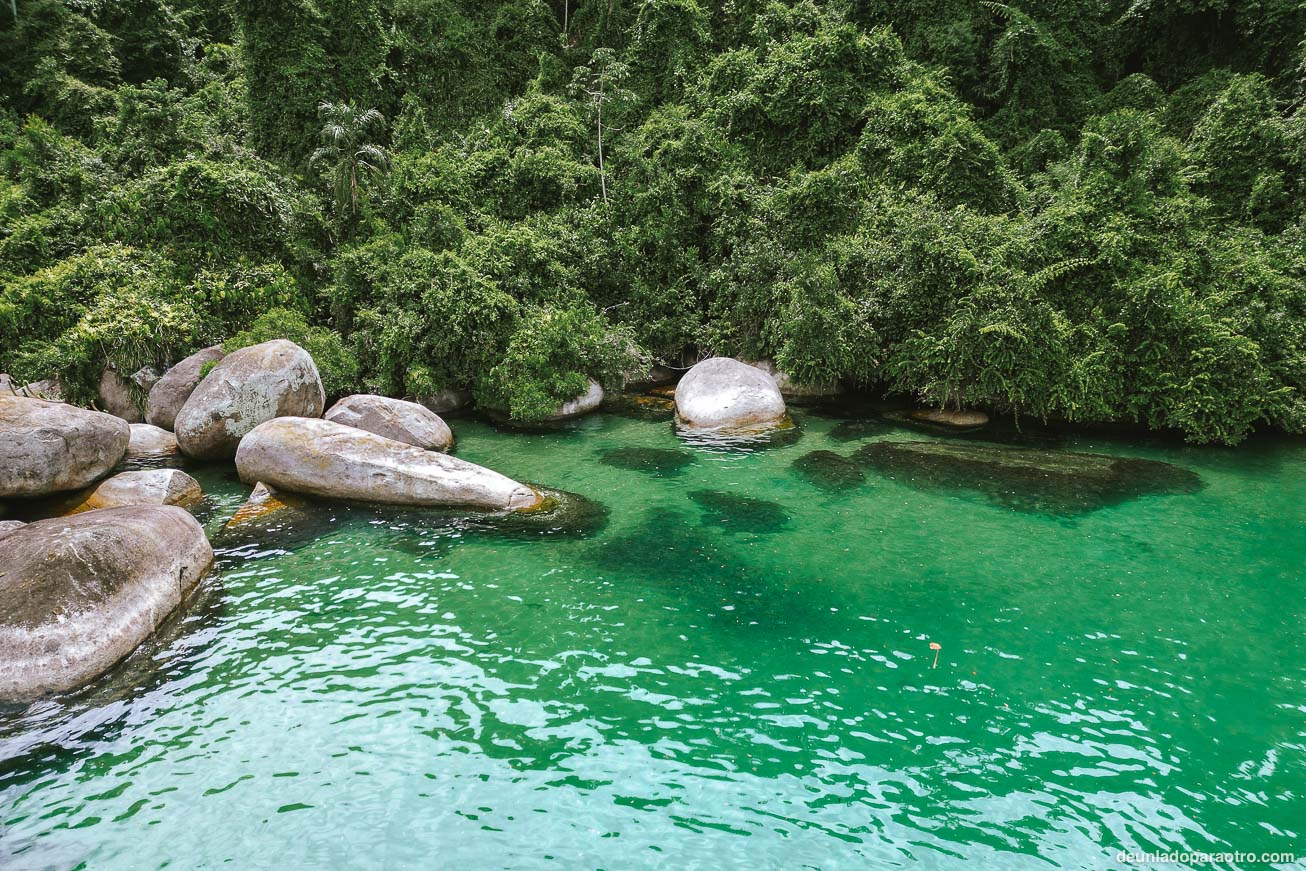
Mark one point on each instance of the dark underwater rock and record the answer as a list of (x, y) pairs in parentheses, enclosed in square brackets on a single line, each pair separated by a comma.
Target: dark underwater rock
[(661, 462), (829, 471), (856, 430), (736, 513), (1030, 480)]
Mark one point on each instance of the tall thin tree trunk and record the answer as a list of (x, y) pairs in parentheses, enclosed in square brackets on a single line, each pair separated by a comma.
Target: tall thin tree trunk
[(603, 177), (566, 10)]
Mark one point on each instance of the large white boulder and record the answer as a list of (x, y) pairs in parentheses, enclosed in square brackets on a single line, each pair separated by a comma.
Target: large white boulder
[(170, 392), (722, 393), (333, 461), (50, 447), (78, 594), (396, 419), (248, 387)]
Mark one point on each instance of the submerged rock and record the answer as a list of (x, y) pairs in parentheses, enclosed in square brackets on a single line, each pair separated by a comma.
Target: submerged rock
[(829, 471), (725, 393), (50, 447), (662, 462), (78, 594), (951, 417), (396, 419), (118, 397), (333, 461), (170, 392), (641, 406), (248, 387), (142, 487), (1052, 482), (737, 513), (856, 430), (150, 442)]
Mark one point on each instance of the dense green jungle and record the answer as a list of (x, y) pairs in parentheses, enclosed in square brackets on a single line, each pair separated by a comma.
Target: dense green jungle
[(1080, 212)]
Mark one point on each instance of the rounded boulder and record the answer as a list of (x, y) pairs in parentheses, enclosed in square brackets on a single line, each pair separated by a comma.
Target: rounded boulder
[(723, 393), (78, 594), (396, 419), (170, 392), (50, 447), (248, 387)]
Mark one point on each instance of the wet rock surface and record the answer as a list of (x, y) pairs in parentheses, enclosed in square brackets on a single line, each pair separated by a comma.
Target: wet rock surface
[(78, 594)]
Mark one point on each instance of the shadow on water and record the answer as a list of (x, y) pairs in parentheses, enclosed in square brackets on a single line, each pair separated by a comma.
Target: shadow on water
[(735, 513), (1059, 483), (829, 471), (660, 462)]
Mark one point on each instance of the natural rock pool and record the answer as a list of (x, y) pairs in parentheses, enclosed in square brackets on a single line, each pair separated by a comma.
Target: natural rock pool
[(727, 663)]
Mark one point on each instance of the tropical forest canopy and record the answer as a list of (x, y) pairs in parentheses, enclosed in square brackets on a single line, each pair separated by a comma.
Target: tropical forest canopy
[(1087, 211)]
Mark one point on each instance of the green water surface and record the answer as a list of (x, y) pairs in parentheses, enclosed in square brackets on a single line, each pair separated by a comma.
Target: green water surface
[(731, 670)]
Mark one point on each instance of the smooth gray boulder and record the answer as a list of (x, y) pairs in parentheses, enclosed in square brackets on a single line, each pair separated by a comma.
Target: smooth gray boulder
[(588, 401), (145, 378), (150, 442), (396, 419), (50, 447), (170, 392), (798, 391), (141, 487), (248, 387), (333, 461), (78, 594), (722, 393), (117, 396), (443, 401)]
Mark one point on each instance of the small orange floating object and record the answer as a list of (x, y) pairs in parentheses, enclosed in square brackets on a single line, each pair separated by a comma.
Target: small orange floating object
[(936, 647)]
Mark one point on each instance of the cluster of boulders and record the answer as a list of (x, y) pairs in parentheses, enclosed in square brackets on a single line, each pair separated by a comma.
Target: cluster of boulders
[(118, 550)]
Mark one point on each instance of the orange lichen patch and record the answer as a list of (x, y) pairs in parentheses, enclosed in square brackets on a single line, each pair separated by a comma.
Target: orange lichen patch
[(667, 391), (541, 503)]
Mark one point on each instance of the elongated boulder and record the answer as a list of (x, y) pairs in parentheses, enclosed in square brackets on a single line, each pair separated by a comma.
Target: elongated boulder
[(249, 387), (333, 461), (142, 487), (725, 393), (953, 417), (50, 447), (78, 594), (170, 392), (396, 419), (117, 396), (150, 443)]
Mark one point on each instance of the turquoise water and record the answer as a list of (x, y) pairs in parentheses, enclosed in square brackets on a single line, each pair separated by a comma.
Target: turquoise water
[(731, 669)]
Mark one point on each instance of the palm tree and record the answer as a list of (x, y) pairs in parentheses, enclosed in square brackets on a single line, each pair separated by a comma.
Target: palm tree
[(344, 149)]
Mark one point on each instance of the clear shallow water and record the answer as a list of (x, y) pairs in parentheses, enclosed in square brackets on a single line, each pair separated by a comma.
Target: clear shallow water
[(734, 671)]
